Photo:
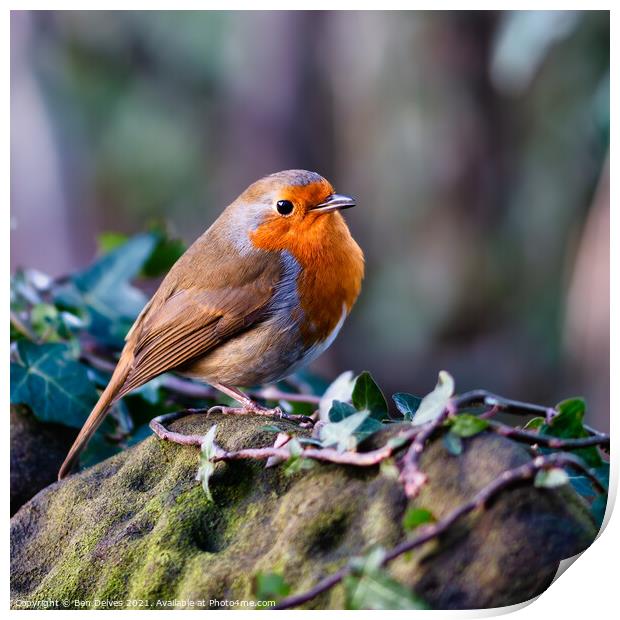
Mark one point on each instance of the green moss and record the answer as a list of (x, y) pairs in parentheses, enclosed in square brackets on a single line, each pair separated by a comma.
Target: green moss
[(140, 526)]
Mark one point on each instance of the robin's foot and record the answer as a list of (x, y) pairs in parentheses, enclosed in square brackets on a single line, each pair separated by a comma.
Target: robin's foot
[(276, 413), (249, 407)]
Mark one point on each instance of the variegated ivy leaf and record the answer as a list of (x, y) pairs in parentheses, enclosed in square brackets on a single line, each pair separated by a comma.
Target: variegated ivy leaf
[(551, 478), (370, 587), (341, 389), (207, 466), (434, 403), (342, 434)]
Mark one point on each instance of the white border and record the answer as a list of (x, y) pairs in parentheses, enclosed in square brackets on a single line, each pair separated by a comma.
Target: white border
[(587, 589)]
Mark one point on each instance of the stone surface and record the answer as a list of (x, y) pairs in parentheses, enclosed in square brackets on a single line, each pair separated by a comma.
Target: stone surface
[(139, 526), (37, 451)]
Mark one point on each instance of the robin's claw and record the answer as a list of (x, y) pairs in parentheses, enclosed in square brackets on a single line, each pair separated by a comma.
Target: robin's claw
[(253, 409)]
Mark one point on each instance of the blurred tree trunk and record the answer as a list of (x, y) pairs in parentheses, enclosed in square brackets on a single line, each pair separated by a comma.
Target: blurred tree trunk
[(275, 105)]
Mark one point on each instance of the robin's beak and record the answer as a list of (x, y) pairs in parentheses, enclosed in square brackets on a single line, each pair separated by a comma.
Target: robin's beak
[(335, 202)]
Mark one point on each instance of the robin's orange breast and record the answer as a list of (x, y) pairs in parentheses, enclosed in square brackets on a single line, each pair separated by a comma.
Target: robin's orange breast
[(318, 286), (331, 271)]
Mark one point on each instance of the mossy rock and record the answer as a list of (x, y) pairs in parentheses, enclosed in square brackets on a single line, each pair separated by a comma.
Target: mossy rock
[(37, 451), (138, 526)]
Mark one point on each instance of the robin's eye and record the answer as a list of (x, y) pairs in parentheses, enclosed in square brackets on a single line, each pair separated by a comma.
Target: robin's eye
[(284, 207)]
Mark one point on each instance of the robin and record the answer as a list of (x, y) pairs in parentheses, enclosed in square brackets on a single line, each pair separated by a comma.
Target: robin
[(261, 293)]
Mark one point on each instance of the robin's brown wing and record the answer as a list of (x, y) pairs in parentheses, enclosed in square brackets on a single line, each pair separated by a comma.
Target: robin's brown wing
[(191, 322), (208, 296)]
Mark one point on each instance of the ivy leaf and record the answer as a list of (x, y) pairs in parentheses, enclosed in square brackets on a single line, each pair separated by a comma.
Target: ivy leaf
[(551, 478), (341, 434), (341, 389), (407, 404), (569, 419), (207, 467), (26, 287), (165, 253), (368, 563), (414, 517), (381, 592), (591, 494), (598, 509), (294, 447), (105, 293), (535, 424), (367, 395), (108, 241), (46, 322), (396, 442), (367, 428), (453, 444), (310, 441), (296, 462), (434, 403), (467, 425), (583, 486), (270, 587), (370, 587), (52, 383), (568, 424), (389, 469), (339, 411), (602, 473)]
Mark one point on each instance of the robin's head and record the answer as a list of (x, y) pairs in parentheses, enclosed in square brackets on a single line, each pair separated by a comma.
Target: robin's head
[(286, 207)]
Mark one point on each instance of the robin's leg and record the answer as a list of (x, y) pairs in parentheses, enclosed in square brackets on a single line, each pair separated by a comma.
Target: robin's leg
[(249, 407)]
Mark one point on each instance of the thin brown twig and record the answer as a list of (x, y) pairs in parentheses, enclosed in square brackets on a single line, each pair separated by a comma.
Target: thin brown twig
[(513, 407), (411, 476), (413, 479), (429, 532), (361, 459), (557, 443), (489, 413), (157, 425), (506, 405)]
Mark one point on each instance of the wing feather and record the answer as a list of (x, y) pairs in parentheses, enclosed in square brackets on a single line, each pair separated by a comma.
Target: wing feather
[(192, 322), (211, 293)]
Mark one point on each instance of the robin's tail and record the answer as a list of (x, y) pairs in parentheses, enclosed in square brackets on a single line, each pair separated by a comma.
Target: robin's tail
[(97, 415)]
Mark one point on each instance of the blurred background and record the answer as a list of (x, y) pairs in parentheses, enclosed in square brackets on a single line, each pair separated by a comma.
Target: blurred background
[(476, 143)]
